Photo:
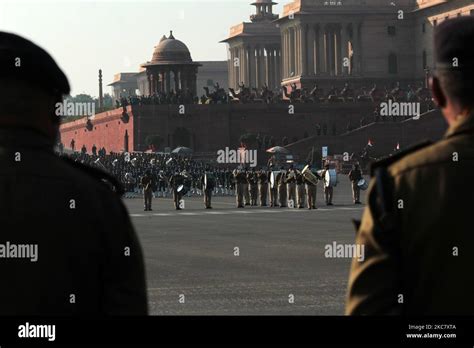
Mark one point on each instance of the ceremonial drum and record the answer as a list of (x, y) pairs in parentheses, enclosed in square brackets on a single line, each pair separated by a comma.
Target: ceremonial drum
[(273, 177), (330, 179), (183, 189), (363, 184)]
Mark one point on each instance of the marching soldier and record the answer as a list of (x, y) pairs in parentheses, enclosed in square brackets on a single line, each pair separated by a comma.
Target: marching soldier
[(240, 179), (311, 189), (208, 184), (263, 187), (291, 185), (246, 188), (252, 180), (355, 175), (300, 190), (417, 226), (175, 181), (273, 187), (147, 183), (281, 182), (328, 189)]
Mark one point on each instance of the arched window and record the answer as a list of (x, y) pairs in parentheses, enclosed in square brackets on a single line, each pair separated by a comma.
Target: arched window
[(392, 63)]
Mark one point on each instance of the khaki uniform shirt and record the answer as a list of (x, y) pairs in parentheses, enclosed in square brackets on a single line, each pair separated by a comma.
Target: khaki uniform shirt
[(423, 264)]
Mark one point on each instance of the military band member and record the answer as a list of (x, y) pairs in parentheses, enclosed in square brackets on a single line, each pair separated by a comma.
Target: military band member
[(328, 189), (291, 185), (281, 182), (240, 179), (300, 190), (147, 184), (252, 179), (311, 189), (246, 188), (263, 187), (355, 175), (175, 181), (273, 187), (208, 183), (161, 184)]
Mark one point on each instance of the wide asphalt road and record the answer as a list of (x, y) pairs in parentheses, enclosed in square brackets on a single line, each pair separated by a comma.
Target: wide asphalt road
[(250, 261)]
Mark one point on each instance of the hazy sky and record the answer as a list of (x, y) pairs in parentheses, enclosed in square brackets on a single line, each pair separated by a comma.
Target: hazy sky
[(118, 35)]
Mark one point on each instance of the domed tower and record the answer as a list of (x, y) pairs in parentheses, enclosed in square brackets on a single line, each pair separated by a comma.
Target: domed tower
[(255, 49), (264, 11), (171, 67)]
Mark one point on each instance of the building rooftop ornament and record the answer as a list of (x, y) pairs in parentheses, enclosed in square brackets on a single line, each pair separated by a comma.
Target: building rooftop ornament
[(170, 51), (264, 11)]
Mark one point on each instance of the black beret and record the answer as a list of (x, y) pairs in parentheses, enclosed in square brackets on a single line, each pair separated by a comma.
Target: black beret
[(453, 44), (23, 60)]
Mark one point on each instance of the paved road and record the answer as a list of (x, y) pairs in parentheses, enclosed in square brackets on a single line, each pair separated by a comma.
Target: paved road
[(281, 253)]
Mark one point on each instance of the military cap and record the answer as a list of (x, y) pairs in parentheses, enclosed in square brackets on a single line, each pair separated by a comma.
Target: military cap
[(23, 60), (453, 44)]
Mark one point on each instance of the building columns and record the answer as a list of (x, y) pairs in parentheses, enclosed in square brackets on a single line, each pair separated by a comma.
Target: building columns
[(268, 67), (285, 56), (311, 51), (278, 67), (345, 68), (292, 52), (321, 61), (304, 50), (338, 50), (356, 67)]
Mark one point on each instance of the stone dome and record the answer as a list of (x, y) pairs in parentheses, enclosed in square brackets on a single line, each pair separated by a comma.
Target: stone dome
[(170, 50)]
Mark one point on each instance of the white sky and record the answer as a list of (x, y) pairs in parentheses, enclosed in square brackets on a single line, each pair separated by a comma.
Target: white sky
[(117, 36)]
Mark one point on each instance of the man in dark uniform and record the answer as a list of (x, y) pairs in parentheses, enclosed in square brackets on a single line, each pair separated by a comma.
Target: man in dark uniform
[(300, 190), (263, 187), (417, 227), (273, 187), (175, 181), (148, 184), (281, 182), (252, 180), (240, 179), (355, 175), (88, 258), (247, 188), (208, 183), (291, 186), (328, 189)]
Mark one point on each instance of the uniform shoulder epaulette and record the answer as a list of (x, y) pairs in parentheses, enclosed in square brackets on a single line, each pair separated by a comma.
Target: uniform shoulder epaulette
[(388, 160), (108, 180)]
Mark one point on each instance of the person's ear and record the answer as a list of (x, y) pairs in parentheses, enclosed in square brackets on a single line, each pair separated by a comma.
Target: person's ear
[(439, 97)]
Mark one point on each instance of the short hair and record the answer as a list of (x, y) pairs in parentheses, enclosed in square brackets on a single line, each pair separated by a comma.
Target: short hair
[(453, 43), (458, 85)]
